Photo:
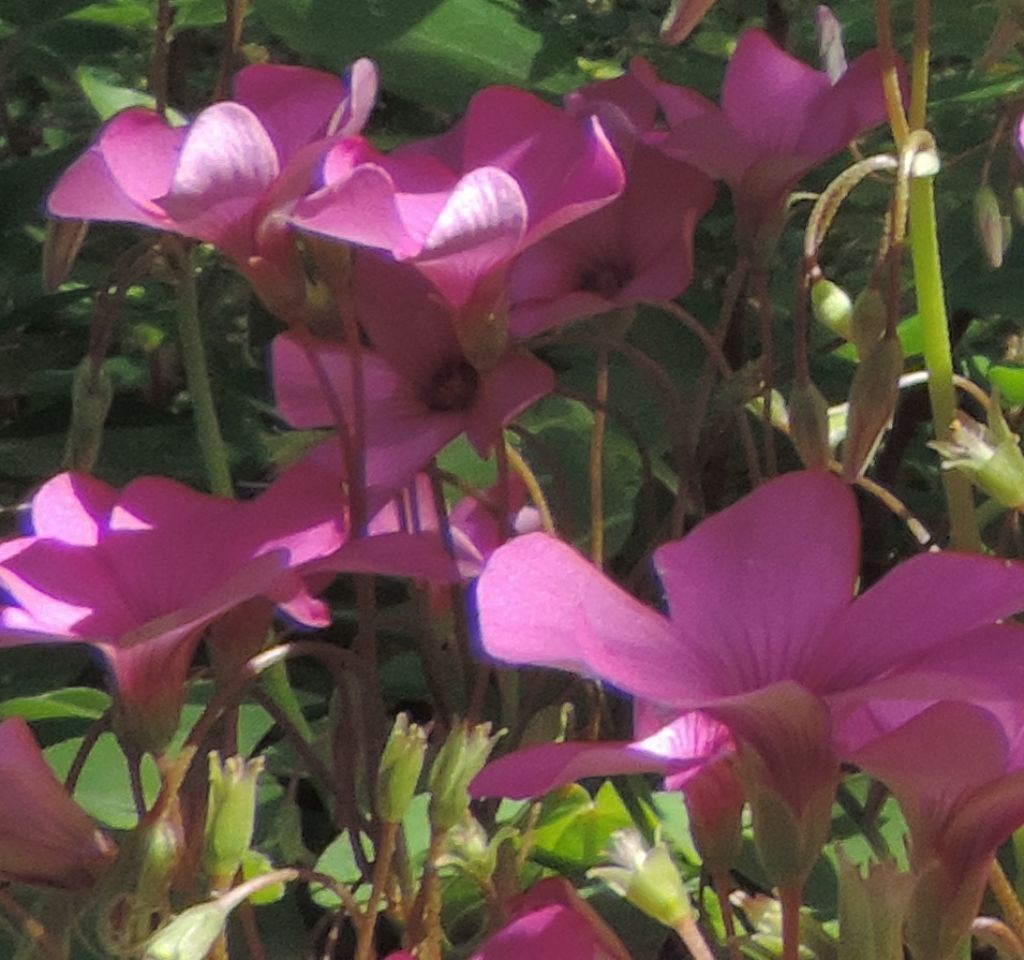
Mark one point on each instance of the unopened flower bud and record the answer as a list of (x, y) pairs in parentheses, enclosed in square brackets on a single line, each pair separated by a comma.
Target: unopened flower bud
[(64, 239), (990, 455), (989, 223), (808, 425), (647, 878), (873, 396), (872, 909), (832, 307), (230, 816), (868, 320), (1017, 204), (189, 936), (830, 43), (91, 394), (400, 766), (459, 760)]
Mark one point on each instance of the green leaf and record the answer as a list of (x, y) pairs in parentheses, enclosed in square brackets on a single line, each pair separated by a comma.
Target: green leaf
[(104, 789), (574, 828), (434, 52), (1008, 377), (109, 98), (25, 13), (81, 703)]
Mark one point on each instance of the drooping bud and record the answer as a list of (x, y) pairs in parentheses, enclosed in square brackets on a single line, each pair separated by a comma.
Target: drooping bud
[(647, 878), (873, 396), (1017, 202), (990, 455), (92, 392), (872, 909), (832, 307), (461, 758), (64, 239), (230, 816), (400, 766), (868, 319), (992, 227), (682, 17), (808, 425), (189, 936), (830, 43)]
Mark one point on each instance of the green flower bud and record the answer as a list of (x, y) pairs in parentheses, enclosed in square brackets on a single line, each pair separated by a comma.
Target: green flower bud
[(869, 320), (461, 758), (873, 396), (189, 936), (647, 878), (1017, 202), (91, 396), (230, 816), (872, 909), (989, 223), (808, 425), (400, 766), (990, 455), (832, 307)]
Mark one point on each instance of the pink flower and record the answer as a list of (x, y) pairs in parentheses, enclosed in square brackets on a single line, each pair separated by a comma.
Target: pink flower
[(461, 205), (764, 634), (957, 770), (231, 175), (549, 922), (637, 249), (778, 119), (139, 574), (420, 390), (45, 838), (474, 525)]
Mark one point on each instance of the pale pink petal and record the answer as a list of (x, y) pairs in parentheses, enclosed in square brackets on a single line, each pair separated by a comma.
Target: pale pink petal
[(753, 589), (682, 17), (72, 507), (576, 619), (227, 164)]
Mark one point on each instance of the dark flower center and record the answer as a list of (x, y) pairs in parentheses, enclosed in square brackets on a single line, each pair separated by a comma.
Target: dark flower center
[(453, 387), (605, 280)]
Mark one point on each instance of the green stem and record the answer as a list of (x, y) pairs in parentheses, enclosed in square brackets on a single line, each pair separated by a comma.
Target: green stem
[(197, 376), (938, 355)]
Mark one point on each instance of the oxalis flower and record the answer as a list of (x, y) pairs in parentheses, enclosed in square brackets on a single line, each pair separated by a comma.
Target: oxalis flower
[(230, 176), (462, 205), (957, 770), (765, 635), (45, 837), (138, 574)]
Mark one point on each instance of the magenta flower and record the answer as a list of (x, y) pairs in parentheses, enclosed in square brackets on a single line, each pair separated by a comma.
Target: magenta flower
[(139, 574), (638, 248), (420, 390), (474, 525), (549, 922), (778, 119), (463, 204), (45, 838), (957, 770), (764, 634), (231, 175)]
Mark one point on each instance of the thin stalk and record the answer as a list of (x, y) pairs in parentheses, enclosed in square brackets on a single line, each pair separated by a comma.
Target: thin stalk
[(938, 354), (596, 463), (720, 881), (791, 900), (197, 376), (690, 934), (533, 488), (381, 872), (919, 65), (1013, 910), (890, 76)]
